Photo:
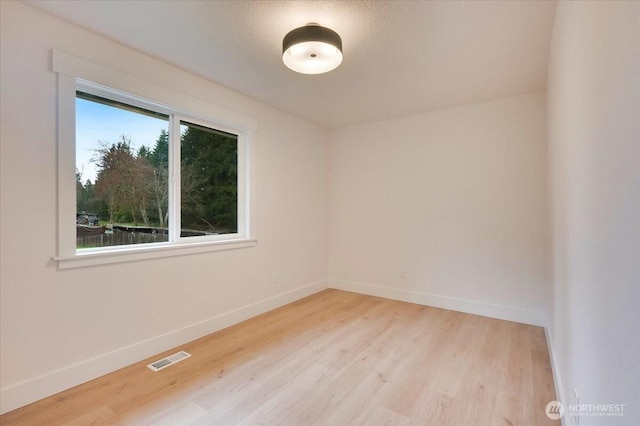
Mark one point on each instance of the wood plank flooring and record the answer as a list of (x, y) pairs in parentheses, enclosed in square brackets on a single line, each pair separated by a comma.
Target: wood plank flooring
[(334, 358)]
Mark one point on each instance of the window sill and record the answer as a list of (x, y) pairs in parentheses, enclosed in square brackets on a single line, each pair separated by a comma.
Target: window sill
[(148, 251)]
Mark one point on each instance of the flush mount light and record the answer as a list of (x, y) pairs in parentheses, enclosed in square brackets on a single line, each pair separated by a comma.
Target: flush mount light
[(312, 49)]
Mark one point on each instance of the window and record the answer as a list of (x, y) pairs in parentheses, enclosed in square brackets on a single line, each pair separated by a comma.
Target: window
[(208, 181), (122, 173), (150, 179)]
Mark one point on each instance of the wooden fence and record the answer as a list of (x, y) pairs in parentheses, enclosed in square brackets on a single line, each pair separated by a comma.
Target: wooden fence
[(118, 238)]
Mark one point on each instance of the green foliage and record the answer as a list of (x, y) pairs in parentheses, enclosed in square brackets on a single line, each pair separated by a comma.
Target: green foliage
[(132, 186), (86, 199), (160, 155), (143, 152), (209, 176)]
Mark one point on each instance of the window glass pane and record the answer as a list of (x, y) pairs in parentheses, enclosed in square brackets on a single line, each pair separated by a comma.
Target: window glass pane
[(209, 181), (121, 173)]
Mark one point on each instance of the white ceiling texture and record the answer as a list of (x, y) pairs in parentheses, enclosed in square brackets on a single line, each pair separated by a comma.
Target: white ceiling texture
[(400, 57)]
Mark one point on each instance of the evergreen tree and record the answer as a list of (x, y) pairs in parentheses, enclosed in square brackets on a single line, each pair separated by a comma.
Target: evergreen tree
[(209, 177), (133, 185)]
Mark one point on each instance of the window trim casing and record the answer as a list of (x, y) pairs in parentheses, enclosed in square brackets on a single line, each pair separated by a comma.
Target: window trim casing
[(78, 74), (175, 150)]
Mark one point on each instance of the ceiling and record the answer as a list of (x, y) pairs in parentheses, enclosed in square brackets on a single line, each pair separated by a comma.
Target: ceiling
[(400, 57)]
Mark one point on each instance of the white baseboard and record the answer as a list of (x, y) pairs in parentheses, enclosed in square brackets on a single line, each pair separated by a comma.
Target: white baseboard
[(461, 305), (28, 391), (557, 382)]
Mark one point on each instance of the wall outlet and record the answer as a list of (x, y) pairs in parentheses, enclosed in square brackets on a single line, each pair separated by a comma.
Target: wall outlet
[(404, 273), (274, 279)]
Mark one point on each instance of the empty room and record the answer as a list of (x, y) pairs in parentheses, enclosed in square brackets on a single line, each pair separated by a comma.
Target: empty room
[(319, 212)]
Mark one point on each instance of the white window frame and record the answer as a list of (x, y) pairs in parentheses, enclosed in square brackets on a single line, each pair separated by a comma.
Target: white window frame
[(77, 74)]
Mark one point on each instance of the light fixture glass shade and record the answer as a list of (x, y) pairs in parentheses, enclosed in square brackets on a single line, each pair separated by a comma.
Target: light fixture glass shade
[(312, 49)]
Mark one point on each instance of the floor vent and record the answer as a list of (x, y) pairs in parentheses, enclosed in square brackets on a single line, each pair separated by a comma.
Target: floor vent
[(170, 360)]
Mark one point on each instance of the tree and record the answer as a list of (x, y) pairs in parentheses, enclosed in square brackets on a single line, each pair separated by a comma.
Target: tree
[(144, 152), (209, 180), (159, 157), (158, 183), (134, 185), (79, 191), (118, 180), (142, 175), (85, 196)]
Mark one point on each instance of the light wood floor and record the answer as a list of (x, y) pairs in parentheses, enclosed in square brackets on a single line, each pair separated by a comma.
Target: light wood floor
[(334, 358)]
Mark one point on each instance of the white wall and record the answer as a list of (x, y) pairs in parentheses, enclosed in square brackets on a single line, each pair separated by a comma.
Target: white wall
[(455, 200), (447, 208), (59, 328), (594, 144)]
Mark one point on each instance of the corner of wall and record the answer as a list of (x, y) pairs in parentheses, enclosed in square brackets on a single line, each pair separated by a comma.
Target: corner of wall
[(507, 313), (557, 378)]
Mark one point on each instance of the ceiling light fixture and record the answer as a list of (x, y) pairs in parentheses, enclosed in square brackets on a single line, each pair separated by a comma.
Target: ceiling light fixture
[(312, 49)]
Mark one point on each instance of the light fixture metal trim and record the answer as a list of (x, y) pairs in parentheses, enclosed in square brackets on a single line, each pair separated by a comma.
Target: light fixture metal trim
[(312, 49)]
